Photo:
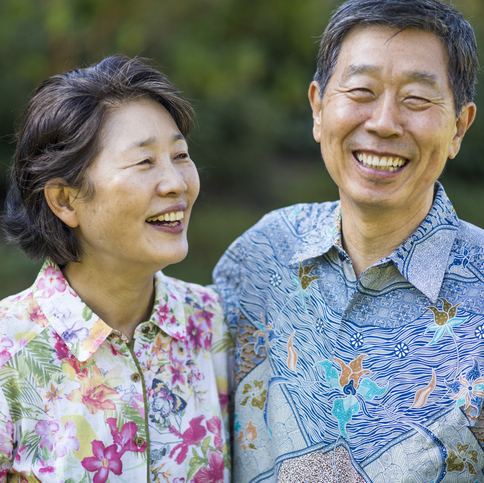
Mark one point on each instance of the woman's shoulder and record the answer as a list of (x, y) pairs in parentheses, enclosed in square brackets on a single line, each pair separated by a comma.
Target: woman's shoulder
[(205, 297)]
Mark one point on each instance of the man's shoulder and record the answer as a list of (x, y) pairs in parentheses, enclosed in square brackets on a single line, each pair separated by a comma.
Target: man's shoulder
[(470, 234), (468, 248), (299, 218)]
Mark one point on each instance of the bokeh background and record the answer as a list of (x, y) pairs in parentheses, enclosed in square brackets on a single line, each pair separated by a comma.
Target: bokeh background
[(245, 65)]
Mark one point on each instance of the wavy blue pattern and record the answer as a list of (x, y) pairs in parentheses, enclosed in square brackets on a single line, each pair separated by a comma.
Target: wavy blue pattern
[(362, 362)]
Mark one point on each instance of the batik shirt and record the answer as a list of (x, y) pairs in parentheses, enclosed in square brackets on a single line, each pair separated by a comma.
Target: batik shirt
[(79, 402), (342, 379)]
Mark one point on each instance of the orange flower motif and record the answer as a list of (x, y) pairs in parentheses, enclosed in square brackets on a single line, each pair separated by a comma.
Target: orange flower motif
[(92, 393), (353, 372), (247, 437), (98, 333), (160, 346)]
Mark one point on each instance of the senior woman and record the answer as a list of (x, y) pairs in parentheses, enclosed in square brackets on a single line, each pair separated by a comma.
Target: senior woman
[(109, 370)]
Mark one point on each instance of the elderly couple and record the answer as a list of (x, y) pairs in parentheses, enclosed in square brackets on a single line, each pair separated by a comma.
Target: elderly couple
[(358, 324)]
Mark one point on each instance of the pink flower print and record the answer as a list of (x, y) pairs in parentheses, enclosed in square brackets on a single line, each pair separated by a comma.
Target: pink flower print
[(214, 425), (192, 436), (6, 349), (197, 334), (208, 316), (47, 430), (172, 320), (115, 349), (104, 460), (215, 471), (66, 440), (177, 370), (21, 452), (60, 347), (162, 313), (179, 480), (6, 439), (223, 397), (48, 466), (207, 298), (125, 438), (52, 281), (136, 401)]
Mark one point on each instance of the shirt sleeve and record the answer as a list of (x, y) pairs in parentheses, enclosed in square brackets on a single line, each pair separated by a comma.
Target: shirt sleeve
[(6, 438), (227, 278)]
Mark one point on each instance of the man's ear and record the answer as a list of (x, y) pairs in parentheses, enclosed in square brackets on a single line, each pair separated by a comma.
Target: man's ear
[(60, 197), (463, 123), (315, 101)]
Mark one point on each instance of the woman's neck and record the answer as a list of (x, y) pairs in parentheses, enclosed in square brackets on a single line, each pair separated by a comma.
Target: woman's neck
[(120, 300)]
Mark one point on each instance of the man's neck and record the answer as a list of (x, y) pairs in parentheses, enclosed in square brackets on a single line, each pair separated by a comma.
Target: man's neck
[(369, 235)]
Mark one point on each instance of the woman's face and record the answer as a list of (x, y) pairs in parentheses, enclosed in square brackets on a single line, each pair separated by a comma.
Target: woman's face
[(145, 185)]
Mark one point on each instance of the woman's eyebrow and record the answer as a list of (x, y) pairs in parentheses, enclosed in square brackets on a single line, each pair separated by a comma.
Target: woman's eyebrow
[(151, 140)]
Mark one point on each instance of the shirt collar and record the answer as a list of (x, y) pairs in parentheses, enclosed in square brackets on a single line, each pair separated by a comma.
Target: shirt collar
[(326, 234), (76, 324), (83, 331), (421, 259), (168, 311)]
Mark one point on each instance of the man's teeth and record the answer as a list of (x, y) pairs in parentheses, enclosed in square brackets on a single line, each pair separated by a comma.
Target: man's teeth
[(384, 163), (168, 217)]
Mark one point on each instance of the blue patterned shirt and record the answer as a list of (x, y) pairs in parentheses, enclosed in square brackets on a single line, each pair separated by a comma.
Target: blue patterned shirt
[(339, 379)]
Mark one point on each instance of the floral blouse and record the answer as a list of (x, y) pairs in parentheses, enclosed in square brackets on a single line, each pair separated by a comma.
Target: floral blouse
[(79, 402)]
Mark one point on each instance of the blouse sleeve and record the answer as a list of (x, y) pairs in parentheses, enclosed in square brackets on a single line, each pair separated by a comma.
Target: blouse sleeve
[(6, 437)]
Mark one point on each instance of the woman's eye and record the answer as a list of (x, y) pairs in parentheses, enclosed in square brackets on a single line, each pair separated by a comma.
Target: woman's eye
[(182, 156), (146, 161)]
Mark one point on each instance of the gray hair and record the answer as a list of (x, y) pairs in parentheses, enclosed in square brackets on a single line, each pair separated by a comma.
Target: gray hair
[(430, 16)]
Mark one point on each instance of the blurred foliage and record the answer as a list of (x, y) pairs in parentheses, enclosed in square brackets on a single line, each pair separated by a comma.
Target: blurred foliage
[(245, 65)]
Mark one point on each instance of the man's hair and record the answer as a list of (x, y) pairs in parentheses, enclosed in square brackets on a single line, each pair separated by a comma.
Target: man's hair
[(59, 136), (430, 16)]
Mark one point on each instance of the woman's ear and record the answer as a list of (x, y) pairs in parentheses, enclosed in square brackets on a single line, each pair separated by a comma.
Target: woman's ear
[(60, 197)]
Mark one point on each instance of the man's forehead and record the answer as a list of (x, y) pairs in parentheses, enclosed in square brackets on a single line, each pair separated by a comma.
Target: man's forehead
[(362, 48)]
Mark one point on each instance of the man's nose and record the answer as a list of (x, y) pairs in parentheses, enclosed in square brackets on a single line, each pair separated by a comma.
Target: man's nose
[(385, 119)]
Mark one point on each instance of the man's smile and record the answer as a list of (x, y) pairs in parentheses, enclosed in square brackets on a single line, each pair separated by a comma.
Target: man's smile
[(383, 163)]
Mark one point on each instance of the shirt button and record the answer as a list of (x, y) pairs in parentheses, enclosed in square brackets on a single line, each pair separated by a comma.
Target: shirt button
[(139, 441), (135, 377), (145, 329)]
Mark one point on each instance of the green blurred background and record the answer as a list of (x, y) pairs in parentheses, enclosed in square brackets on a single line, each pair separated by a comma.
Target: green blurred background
[(245, 65)]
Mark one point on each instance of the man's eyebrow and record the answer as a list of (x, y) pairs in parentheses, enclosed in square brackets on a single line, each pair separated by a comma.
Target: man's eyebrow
[(421, 77), (151, 140)]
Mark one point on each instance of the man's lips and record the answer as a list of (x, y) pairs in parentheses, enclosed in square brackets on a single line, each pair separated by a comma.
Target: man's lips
[(382, 163)]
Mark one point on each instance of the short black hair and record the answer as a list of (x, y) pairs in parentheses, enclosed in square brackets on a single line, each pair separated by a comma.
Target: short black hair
[(59, 136)]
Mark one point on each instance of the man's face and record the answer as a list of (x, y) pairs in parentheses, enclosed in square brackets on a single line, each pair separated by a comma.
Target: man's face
[(386, 123)]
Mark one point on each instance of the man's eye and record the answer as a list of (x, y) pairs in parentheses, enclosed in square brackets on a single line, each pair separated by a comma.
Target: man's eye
[(146, 161), (182, 156), (361, 93), (416, 101)]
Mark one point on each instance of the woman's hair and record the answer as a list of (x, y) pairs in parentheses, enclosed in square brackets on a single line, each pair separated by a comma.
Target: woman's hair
[(430, 16), (60, 136)]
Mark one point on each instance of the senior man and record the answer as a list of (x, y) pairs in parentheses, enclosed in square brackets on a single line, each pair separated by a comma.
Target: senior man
[(360, 323)]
